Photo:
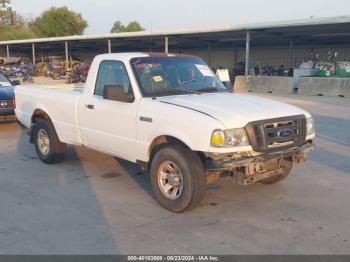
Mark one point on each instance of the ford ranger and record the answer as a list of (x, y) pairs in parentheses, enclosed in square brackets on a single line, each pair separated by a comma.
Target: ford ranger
[(170, 114)]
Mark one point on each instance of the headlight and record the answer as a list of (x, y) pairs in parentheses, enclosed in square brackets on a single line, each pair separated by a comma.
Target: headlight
[(310, 126), (229, 138)]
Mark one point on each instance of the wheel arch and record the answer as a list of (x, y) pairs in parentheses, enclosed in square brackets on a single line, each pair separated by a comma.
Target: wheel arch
[(164, 140), (38, 114)]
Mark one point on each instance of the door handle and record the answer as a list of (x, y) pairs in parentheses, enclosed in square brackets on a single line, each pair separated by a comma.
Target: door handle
[(89, 106)]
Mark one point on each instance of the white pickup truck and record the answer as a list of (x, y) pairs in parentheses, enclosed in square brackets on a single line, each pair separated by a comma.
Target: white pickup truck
[(170, 114)]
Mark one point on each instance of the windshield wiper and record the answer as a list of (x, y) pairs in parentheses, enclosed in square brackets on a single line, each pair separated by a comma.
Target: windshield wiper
[(207, 88)]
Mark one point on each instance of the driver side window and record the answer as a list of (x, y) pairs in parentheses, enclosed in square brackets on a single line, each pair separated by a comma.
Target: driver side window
[(112, 73)]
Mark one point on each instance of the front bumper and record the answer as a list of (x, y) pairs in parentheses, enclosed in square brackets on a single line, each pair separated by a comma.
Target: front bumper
[(297, 153), (7, 114)]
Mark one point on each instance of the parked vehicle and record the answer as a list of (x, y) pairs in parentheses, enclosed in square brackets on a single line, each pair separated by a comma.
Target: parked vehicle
[(264, 70), (78, 73), (5, 81), (171, 115), (56, 72), (49, 64), (24, 72), (283, 71), (10, 66), (7, 112)]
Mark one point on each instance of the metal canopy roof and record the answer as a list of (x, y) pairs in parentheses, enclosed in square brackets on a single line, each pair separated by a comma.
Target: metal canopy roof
[(313, 31)]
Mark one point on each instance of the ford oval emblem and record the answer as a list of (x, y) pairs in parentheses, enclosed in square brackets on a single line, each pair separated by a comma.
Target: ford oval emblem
[(284, 133)]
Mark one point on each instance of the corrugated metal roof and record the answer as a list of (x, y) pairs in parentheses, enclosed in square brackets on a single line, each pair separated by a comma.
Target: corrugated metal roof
[(264, 25)]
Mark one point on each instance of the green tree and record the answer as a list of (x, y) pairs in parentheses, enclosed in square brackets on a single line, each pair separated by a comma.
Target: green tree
[(4, 3), (58, 21), (19, 30), (133, 26), (118, 27)]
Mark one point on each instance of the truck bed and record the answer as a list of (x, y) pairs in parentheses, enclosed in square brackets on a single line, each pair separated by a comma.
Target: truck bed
[(57, 101)]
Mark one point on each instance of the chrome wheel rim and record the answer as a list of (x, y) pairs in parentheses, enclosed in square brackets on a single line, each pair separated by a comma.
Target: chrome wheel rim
[(170, 180), (43, 142)]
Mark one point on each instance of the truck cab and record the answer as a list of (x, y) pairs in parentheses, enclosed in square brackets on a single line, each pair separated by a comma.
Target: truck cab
[(170, 114)]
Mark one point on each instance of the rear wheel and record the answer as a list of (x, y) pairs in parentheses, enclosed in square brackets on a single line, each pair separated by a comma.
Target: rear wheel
[(48, 147), (287, 165), (56, 75), (178, 178)]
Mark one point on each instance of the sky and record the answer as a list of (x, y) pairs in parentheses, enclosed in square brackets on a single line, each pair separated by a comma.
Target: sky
[(161, 15)]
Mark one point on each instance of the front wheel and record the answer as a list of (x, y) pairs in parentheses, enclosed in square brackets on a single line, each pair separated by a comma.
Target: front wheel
[(178, 178), (287, 165), (48, 147)]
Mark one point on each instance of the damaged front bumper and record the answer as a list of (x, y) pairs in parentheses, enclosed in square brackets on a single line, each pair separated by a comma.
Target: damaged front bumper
[(248, 170), (298, 154)]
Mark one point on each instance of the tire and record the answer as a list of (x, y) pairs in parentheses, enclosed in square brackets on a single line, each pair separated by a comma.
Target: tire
[(56, 76), (192, 178), (287, 164), (56, 149)]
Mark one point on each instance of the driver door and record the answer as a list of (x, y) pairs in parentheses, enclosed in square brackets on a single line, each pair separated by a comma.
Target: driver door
[(108, 125)]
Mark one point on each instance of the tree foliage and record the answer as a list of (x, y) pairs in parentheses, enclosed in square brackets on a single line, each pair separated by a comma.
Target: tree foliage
[(20, 30), (3, 3), (52, 23), (133, 26), (58, 21)]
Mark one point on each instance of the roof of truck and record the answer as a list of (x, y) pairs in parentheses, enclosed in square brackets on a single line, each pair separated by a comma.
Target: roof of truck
[(130, 55)]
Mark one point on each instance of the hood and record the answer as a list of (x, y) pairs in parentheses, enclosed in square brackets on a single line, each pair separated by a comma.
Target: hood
[(234, 110), (6, 93)]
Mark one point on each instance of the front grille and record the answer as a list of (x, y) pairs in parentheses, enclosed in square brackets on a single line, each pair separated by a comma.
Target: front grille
[(9, 103), (277, 134)]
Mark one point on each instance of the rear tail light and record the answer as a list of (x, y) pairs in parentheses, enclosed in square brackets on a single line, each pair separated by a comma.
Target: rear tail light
[(14, 101)]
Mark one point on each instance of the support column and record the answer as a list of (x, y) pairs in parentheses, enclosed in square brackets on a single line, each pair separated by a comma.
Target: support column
[(67, 56), (109, 46), (33, 53), (247, 53), (291, 45), (166, 45), (235, 57), (7, 51)]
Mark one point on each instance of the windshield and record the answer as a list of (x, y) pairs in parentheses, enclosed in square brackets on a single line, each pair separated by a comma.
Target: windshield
[(162, 76), (3, 79)]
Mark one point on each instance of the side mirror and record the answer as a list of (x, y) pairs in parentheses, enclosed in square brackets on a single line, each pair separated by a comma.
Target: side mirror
[(117, 93), (15, 82)]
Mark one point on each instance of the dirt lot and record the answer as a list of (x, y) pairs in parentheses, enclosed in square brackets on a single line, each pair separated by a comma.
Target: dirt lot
[(96, 204)]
